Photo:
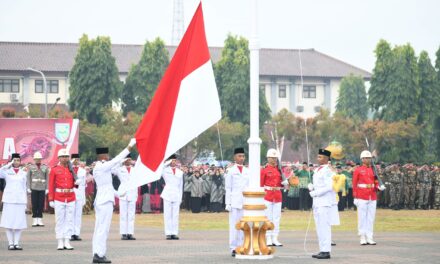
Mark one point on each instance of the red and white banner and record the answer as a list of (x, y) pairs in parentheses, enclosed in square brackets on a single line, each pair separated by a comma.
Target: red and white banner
[(185, 104), (29, 135)]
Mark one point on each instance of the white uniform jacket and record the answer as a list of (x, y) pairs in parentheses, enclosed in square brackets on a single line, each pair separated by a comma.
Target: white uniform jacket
[(15, 190), (173, 189), (80, 192), (235, 183), (323, 186), (124, 176), (102, 174)]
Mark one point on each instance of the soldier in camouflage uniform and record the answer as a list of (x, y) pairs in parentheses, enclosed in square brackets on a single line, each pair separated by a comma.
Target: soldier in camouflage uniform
[(410, 185), (395, 180), (423, 186), (380, 195), (436, 173)]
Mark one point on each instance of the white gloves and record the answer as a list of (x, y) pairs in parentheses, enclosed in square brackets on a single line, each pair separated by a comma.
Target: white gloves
[(78, 182), (356, 202), (313, 194), (132, 142), (285, 182), (228, 207), (52, 204), (46, 192), (382, 187), (310, 187), (29, 190)]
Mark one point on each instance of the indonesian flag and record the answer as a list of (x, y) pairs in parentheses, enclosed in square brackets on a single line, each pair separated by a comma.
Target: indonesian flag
[(185, 104)]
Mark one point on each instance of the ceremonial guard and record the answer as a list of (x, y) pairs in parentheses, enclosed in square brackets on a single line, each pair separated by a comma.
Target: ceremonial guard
[(105, 199), (172, 197), (236, 180), (62, 199), (80, 196), (37, 178), (365, 186), (14, 201), (127, 203), (323, 199), (270, 179)]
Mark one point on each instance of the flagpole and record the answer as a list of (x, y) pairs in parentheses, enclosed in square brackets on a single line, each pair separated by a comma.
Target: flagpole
[(254, 222)]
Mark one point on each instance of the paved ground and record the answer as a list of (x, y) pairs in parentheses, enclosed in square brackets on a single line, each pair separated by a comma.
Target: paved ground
[(211, 247)]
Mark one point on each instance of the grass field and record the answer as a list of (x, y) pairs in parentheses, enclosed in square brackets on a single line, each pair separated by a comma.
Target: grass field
[(386, 221)]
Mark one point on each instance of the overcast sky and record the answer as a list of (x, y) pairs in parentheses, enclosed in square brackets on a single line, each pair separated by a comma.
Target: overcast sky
[(346, 29)]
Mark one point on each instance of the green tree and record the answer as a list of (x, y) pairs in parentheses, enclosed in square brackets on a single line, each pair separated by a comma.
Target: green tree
[(232, 77), (144, 77), (430, 94), (352, 100), (380, 80), (94, 79)]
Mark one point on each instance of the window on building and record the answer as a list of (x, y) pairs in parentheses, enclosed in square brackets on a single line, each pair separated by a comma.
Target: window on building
[(9, 86), (309, 91), (52, 86), (282, 91)]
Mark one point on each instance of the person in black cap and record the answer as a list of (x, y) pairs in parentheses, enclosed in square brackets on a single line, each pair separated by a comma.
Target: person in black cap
[(323, 198), (127, 203), (80, 195), (172, 197), (14, 201), (236, 180), (105, 199)]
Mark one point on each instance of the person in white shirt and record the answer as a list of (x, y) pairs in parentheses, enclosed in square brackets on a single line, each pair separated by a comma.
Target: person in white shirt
[(14, 201), (127, 203), (236, 180), (105, 199), (323, 199), (172, 197), (80, 195)]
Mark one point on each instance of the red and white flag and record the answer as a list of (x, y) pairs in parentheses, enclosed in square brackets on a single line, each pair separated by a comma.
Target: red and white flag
[(185, 104)]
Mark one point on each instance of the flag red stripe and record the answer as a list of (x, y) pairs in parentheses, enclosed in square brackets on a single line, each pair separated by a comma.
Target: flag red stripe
[(154, 130)]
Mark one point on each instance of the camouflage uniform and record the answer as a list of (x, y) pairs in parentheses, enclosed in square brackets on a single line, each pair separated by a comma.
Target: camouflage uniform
[(410, 186), (436, 173), (424, 186), (395, 180)]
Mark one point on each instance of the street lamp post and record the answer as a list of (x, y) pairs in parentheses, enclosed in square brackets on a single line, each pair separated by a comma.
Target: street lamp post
[(45, 88)]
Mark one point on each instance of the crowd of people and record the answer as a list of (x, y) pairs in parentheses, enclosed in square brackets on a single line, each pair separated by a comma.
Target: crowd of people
[(74, 188)]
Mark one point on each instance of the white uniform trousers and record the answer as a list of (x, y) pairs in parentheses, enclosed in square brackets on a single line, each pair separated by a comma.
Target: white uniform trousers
[(171, 217), (335, 215), (103, 219), (273, 213), (127, 212), (77, 217), (322, 217), (366, 215), (235, 236), (64, 219)]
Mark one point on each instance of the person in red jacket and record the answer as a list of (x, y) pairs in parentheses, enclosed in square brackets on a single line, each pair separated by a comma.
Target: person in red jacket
[(271, 181), (365, 186), (62, 198)]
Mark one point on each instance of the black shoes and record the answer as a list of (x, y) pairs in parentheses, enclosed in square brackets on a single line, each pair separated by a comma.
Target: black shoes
[(322, 255), (130, 237), (15, 247), (168, 237), (333, 243), (98, 259), (233, 253), (174, 237), (124, 237), (75, 238)]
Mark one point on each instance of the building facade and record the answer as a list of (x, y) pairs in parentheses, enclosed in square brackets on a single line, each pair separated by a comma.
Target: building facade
[(301, 81)]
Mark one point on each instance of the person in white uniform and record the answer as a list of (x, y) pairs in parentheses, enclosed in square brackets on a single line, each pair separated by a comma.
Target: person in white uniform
[(80, 195), (14, 201), (105, 199), (323, 199), (127, 203), (172, 197), (236, 180)]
